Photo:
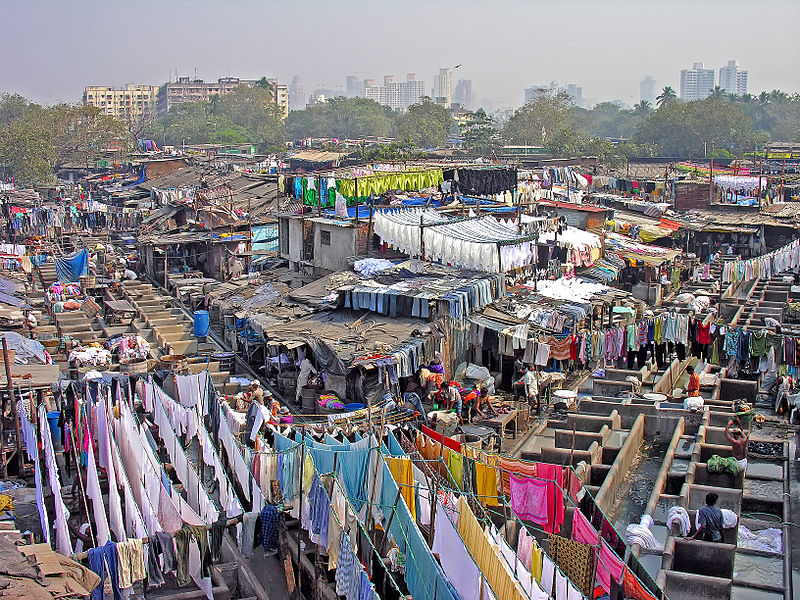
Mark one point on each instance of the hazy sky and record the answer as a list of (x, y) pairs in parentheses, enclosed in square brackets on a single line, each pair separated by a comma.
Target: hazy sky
[(51, 49)]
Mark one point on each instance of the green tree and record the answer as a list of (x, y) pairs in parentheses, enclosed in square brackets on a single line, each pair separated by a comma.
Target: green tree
[(479, 132), (643, 109), (12, 107), (251, 110), (544, 116), (666, 96), (341, 118), (697, 128), (425, 124), (38, 140)]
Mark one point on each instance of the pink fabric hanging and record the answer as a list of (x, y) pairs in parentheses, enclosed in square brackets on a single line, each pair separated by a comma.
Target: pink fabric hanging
[(529, 499), (582, 530), (609, 566), (555, 497)]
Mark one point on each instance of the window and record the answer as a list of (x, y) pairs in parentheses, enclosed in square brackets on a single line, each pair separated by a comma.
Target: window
[(325, 238)]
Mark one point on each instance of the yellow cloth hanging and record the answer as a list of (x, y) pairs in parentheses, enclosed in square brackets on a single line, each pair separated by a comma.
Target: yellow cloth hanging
[(486, 482), (403, 474), (455, 462), (536, 561), (487, 555)]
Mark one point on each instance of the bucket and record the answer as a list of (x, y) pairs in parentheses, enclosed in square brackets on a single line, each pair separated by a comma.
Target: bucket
[(202, 324), (52, 420)]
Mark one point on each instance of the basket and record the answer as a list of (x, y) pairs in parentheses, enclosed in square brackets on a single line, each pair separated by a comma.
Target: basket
[(172, 362), (133, 366)]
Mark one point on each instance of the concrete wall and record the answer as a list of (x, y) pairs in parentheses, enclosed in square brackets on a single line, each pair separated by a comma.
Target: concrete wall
[(660, 422), (334, 256), (737, 389), (605, 497)]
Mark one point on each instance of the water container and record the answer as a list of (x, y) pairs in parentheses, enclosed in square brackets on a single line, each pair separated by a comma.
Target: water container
[(202, 324), (55, 430)]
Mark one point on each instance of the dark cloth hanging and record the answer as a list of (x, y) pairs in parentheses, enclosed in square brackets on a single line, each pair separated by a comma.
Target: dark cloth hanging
[(485, 182)]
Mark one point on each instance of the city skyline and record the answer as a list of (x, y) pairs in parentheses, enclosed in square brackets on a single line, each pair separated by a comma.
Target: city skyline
[(62, 70)]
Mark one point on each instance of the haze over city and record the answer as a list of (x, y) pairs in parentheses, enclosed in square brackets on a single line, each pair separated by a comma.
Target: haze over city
[(504, 46)]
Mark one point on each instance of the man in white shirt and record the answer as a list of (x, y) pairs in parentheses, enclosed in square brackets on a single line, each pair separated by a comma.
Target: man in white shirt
[(306, 370), (531, 383)]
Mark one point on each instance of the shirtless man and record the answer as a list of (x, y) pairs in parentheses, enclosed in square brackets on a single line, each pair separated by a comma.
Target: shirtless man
[(738, 439)]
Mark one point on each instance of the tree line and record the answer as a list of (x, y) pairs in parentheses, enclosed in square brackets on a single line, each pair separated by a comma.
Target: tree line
[(35, 141)]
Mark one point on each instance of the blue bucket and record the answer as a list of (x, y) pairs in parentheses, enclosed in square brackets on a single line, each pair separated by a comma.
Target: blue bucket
[(202, 324), (52, 420)]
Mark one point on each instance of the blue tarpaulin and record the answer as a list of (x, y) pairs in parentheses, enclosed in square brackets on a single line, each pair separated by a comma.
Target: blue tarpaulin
[(70, 268)]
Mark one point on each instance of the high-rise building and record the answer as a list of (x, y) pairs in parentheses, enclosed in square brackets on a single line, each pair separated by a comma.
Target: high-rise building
[(192, 90), (574, 91), (535, 91), (129, 103), (464, 94), (297, 95), (414, 89), (733, 79), (398, 95), (442, 92), (647, 90), (697, 83), (354, 87)]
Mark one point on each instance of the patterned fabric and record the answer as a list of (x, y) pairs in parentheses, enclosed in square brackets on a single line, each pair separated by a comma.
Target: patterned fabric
[(269, 527), (348, 580), (576, 560)]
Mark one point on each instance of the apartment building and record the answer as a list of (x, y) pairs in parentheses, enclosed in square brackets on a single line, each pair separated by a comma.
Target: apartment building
[(128, 103), (192, 90)]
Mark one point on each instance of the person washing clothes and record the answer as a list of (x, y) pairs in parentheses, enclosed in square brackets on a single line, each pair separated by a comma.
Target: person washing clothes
[(710, 519), (738, 439)]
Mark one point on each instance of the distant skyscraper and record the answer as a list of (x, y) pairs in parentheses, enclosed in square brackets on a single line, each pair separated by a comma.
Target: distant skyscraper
[(574, 91), (414, 89), (533, 92), (354, 87), (647, 90), (297, 96), (442, 92), (733, 79), (398, 95), (697, 83), (464, 94)]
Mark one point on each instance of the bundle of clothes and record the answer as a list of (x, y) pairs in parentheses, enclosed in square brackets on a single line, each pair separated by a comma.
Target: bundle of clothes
[(93, 355), (129, 347)]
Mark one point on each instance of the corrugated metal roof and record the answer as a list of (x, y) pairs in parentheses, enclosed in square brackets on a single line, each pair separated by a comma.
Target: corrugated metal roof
[(784, 210)]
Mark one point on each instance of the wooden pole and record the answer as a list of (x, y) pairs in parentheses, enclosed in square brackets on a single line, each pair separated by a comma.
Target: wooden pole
[(10, 387), (14, 409), (369, 225), (357, 220), (319, 196), (300, 499), (711, 182), (385, 540)]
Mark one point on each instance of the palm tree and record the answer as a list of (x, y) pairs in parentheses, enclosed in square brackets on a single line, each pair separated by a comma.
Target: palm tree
[(642, 109), (718, 92), (666, 96)]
